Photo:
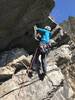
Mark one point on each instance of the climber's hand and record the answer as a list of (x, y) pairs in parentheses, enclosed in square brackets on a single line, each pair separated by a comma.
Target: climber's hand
[(35, 27), (52, 42)]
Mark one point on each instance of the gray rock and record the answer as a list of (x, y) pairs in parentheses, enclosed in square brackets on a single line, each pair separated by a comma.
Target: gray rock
[(20, 87), (9, 56), (17, 18), (54, 86), (13, 61), (63, 52)]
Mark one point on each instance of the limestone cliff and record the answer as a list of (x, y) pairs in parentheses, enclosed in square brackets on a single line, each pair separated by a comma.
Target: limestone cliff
[(16, 21)]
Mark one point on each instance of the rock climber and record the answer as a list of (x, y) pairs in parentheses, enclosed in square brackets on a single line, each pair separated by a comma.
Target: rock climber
[(43, 35)]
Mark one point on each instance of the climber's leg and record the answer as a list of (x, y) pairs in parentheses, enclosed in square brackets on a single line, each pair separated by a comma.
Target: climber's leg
[(43, 62)]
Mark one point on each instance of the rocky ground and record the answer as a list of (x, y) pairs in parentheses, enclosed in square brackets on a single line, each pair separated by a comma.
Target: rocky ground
[(58, 84)]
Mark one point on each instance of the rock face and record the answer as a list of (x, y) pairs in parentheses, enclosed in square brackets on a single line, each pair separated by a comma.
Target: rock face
[(69, 26), (59, 83), (69, 67), (55, 86), (17, 18)]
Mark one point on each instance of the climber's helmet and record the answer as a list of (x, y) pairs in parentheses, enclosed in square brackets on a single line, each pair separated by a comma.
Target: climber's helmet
[(48, 28)]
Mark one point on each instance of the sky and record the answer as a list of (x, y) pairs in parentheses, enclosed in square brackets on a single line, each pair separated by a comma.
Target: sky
[(63, 9)]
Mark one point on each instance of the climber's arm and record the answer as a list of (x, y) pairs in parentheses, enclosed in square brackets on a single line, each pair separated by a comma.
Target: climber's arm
[(38, 32), (39, 29)]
